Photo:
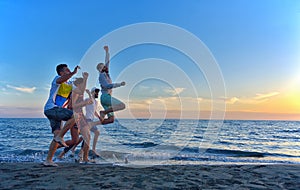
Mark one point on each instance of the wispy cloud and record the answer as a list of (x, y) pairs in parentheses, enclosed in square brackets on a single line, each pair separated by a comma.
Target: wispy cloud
[(175, 91), (257, 99), (169, 103), (265, 96), (231, 100), (22, 89)]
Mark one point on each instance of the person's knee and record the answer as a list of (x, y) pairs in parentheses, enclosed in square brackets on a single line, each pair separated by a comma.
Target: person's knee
[(122, 106)]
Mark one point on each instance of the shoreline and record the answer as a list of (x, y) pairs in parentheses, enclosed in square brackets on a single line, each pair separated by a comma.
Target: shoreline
[(107, 176)]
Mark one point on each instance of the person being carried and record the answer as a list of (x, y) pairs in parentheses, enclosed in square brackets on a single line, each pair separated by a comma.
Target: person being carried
[(109, 103), (54, 111)]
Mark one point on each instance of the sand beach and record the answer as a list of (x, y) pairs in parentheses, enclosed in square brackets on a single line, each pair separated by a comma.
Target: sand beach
[(107, 176)]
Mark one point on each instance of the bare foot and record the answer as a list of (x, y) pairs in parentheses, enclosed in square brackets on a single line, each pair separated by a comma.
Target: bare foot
[(49, 164)]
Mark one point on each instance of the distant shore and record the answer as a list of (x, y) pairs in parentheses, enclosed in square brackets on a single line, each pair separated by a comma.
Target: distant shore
[(80, 176)]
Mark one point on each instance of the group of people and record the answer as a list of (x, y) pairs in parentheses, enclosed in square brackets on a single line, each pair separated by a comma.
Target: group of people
[(66, 102)]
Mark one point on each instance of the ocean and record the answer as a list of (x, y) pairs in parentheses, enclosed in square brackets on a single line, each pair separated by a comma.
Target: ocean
[(162, 142)]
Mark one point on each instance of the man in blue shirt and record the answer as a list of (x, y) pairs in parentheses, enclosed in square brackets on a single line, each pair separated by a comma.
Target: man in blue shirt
[(109, 103)]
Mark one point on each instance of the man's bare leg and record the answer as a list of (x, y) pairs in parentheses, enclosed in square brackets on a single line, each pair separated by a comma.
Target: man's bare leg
[(71, 143), (114, 108), (59, 137), (96, 135), (85, 132), (85, 152), (52, 149)]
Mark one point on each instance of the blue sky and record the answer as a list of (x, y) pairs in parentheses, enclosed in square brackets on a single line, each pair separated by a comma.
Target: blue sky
[(256, 44)]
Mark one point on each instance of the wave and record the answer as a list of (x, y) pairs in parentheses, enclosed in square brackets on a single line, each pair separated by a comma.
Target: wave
[(141, 145), (234, 153), (290, 131), (31, 152)]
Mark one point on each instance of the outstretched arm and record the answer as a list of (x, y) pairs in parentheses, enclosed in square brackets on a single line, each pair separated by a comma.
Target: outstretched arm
[(106, 85)]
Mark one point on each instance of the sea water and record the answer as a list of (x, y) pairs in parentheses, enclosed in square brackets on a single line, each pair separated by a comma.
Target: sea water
[(168, 141)]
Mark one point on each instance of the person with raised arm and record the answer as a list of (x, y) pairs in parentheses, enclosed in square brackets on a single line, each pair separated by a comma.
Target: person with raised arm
[(78, 104), (109, 103), (54, 110)]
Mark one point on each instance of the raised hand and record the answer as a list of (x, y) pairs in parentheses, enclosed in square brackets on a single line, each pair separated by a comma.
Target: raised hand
[(85, 75), (106, 48), (76, 69)]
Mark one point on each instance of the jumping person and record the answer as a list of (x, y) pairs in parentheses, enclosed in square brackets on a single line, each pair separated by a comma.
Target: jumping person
[(109, 103)]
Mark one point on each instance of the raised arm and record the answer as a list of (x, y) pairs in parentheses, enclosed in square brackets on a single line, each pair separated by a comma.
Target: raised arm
[(89, 93), (66, 77), (107, 61), (85, 76)]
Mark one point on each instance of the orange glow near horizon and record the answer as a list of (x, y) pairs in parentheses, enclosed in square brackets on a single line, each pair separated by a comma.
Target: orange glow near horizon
[(280, 106)]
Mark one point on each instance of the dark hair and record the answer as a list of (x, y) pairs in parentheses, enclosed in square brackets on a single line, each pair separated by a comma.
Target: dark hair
[(60, 68)]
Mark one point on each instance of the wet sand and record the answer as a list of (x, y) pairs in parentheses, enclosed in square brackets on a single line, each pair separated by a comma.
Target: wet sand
[(107, 176)]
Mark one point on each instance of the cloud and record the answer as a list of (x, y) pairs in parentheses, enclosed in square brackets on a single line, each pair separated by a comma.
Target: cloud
[(264, 96), (169, 103), (22, 89), (175, 91), (231, 100), (257, 99)]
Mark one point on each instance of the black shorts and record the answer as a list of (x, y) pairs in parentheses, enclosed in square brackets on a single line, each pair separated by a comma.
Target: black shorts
[(56, 115)]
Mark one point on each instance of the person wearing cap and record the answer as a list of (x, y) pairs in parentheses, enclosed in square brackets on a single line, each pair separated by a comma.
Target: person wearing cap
[(109, 103), (91, 113)]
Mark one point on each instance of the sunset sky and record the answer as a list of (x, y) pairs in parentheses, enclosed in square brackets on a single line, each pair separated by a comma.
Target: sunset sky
[(255, 43)]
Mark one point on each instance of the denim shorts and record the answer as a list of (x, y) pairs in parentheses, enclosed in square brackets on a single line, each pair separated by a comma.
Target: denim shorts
[(56, 115)]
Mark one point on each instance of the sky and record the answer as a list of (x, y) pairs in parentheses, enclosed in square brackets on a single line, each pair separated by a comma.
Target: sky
[(254, 43)]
